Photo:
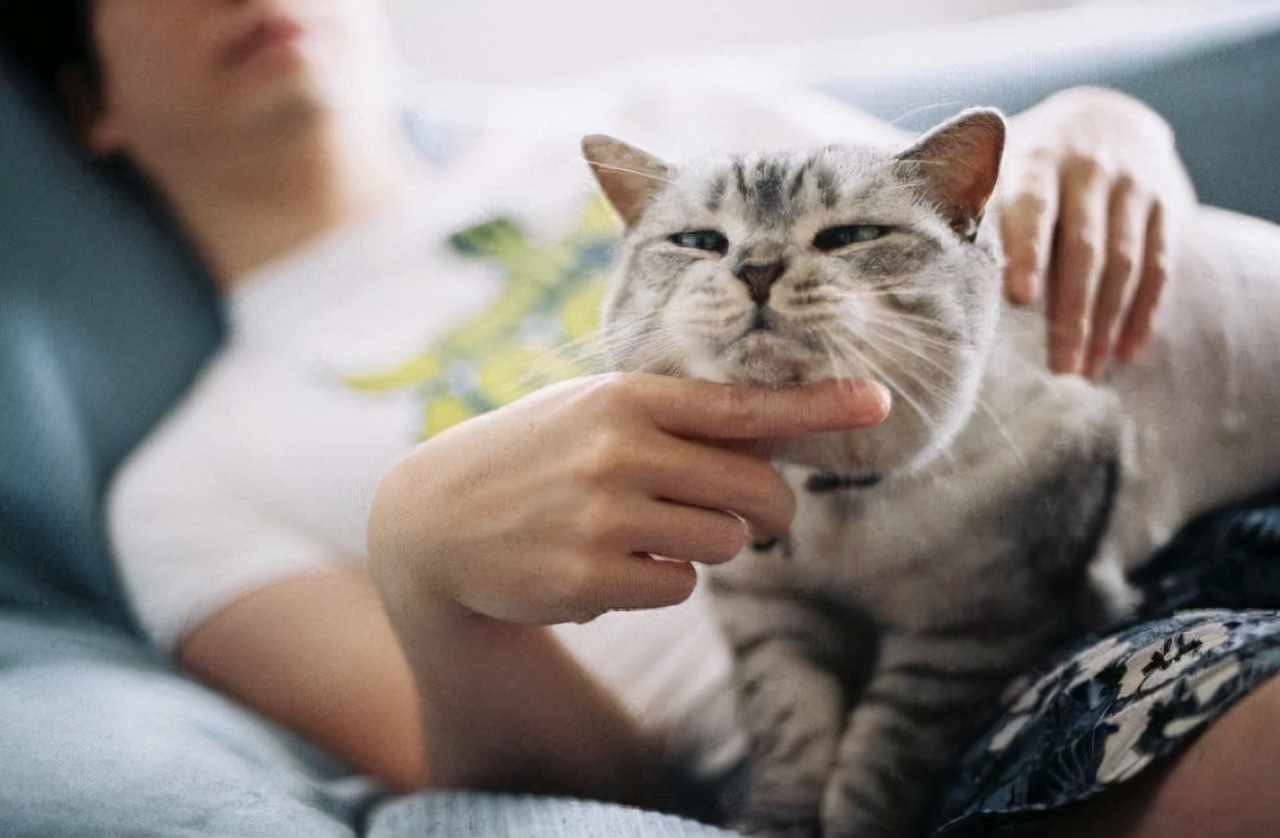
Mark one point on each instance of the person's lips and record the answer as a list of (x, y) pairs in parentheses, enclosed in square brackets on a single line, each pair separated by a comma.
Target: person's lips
[(266, 34)]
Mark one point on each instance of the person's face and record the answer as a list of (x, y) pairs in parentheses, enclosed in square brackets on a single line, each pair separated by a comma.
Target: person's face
[(181, 71)]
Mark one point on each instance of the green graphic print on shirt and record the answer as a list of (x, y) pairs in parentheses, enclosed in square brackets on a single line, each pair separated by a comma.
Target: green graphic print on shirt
[(537, 332)]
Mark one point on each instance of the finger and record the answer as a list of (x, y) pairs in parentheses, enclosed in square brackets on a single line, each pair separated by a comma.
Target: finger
[(630, 582), (686, 533), (712, 478), (705, 410), (1077, 264), (1026, 232), (621, 525), (1155, 273), (1126, 230), (696, 473)]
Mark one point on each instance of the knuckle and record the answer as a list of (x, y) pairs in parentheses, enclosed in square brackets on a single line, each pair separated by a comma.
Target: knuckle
[(1125, 184), (1031, 201), (1082, 246), (598, 522), (613, 392), (1085, 167), (1122, 261), (1156, 267), (601, 458)]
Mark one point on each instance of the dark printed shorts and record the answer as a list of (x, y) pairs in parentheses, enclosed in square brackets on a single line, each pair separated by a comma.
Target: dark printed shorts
[(1107, 708)]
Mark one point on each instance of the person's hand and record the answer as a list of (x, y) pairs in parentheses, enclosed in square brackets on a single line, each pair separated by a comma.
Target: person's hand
[(1091, 197), (553, 508)]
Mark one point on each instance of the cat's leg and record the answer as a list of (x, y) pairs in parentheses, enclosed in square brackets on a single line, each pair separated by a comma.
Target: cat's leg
[(927, 699), (790, 703)]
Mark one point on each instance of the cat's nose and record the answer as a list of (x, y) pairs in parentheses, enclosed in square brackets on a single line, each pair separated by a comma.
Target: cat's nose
[(760, 278)]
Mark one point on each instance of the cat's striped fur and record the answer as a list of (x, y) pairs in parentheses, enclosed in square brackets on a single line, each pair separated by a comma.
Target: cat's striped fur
[(934, 556)]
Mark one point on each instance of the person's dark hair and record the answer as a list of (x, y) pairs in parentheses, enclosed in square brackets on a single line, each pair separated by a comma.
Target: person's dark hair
[(49, 43), (48, 38)]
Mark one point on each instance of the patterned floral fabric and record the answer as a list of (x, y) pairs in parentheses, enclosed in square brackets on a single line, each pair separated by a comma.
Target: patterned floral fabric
[(1108, 708)]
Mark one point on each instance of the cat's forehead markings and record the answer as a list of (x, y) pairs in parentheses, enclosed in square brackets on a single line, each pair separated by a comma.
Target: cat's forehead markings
[(801, 176), (740, 176), (716, 189), (769, 177), (828, 186), (762, 185)]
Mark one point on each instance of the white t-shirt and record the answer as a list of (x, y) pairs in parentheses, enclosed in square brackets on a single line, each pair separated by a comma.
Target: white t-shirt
[(267, 469)]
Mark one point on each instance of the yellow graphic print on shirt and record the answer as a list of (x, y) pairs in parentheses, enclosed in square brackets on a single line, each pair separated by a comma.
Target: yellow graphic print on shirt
[(533, 335)]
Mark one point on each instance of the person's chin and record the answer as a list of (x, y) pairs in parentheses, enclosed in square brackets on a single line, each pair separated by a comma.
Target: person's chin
[(283, 106)]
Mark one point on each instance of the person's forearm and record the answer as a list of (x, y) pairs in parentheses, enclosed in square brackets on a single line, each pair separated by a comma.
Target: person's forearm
[(317, 654), (505, 706)]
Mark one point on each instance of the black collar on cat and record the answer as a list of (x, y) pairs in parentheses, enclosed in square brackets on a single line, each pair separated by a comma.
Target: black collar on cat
[(824, 481)]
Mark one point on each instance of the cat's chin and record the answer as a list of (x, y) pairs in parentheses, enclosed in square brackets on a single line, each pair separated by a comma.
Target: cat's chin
[(763, 359)]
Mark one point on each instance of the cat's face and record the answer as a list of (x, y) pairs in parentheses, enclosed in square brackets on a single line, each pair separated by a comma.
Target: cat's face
[(848, 261)]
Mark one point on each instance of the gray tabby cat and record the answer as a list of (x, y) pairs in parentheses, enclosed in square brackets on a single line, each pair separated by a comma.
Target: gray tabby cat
[(996, 510)]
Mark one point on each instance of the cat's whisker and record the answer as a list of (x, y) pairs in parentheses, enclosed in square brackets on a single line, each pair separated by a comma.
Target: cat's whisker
[(921, 384), (918, 337), (978, 400), (848, 348), (914, 351), (647, 345)]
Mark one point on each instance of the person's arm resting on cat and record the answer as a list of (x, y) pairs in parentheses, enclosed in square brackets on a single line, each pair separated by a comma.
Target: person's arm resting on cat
[(1089, 202)]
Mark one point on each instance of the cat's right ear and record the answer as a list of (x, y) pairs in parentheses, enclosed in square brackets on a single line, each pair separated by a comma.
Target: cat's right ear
[(956, 165), (630, 178)]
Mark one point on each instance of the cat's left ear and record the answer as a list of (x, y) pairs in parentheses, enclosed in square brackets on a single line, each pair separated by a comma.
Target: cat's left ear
[(957, 164), (630, 178)]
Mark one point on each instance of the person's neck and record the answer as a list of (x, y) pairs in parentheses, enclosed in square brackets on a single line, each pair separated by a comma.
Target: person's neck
[(248, 209)]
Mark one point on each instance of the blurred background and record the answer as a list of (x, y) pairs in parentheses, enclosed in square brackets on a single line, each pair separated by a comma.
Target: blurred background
[(501, 41)]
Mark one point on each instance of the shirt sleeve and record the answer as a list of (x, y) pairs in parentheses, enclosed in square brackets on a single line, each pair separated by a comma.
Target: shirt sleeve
[(185, 550), (192, 519)]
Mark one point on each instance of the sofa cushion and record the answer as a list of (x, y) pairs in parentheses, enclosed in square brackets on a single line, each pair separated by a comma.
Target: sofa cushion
[(104, 319), (1212, 72)]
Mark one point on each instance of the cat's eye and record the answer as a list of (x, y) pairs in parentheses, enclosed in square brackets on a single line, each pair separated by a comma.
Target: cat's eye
[(709, 240), (834, 238)]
